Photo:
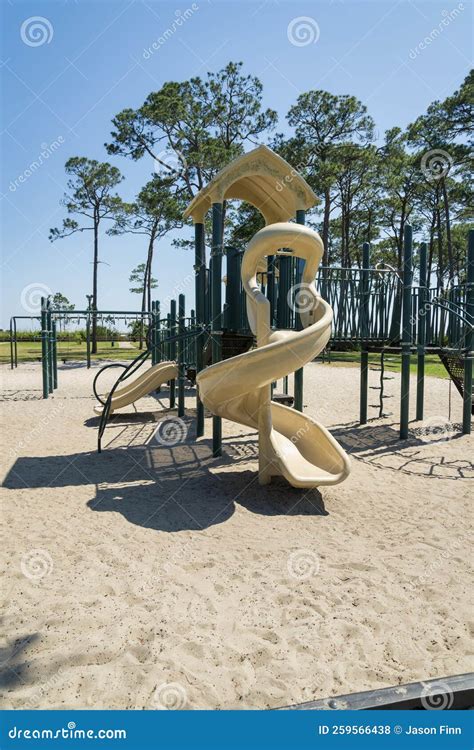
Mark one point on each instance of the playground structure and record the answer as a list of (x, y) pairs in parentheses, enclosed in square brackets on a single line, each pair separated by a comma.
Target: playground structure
[(375, 310)]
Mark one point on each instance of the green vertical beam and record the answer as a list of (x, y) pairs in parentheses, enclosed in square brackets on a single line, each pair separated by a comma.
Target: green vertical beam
[(151, 336), (232, 290), (421, 342), (44, 348), (300, 219), (181, 358), (406, 331), (364, 333), (88, 332), (54, 354), (200, 304), (157, 333), (216, 306), (469, 341), (50, 346), (172, 333)]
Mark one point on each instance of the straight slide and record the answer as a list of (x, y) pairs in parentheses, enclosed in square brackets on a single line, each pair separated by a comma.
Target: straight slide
[(143, 385)]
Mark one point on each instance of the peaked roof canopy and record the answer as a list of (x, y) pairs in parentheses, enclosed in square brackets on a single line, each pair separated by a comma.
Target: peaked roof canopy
[(261, 178)]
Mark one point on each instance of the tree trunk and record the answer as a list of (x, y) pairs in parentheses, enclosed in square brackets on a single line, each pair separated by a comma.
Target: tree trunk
[(448, 232), (440, 248), (325, 233), (94, 283)]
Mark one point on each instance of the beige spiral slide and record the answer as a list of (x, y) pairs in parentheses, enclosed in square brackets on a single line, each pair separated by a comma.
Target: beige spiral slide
[(143, 385), (291, 444)]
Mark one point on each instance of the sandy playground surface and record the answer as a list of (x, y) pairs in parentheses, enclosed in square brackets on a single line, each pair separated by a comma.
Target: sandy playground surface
[(152, 577)]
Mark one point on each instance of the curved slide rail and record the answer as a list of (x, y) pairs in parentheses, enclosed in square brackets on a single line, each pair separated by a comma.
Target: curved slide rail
[(143, 385), (291, 444)]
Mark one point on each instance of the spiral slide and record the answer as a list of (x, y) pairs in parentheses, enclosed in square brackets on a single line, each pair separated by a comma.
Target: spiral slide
[(142, 386), (291, 444)]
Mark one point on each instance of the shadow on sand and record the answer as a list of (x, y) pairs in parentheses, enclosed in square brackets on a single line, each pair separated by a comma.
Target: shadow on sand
[(169, 488)]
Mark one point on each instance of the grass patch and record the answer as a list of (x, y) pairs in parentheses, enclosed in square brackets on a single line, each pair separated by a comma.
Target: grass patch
[(433, 365), (30, 351)]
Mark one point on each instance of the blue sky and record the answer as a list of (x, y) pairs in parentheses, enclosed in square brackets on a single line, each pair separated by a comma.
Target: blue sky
[(93, 63)]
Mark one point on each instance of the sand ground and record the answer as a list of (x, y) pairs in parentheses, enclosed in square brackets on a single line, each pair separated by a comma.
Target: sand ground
[(153, 576)]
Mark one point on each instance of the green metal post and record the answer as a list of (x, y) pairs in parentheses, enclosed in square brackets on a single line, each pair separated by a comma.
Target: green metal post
[(200, 293), (216, 307), (422, 310), (300, 219), (88, 331), (152, 334), (54, 354), (364, 332), (232, 291), (172, 351), (469, 342), (406, 331), (157, 332), (181, 359), (44, 348), (50, 346)]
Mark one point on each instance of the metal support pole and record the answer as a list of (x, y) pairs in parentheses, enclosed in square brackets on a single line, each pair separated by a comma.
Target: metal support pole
[(50, 346), (181, 358), (364, 332), (54, 354), (300, 219), (88, 331), (44, 348), (406, 331), (216, 302), (422, 310), (200, 293), (469, 342), (172, 351)]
